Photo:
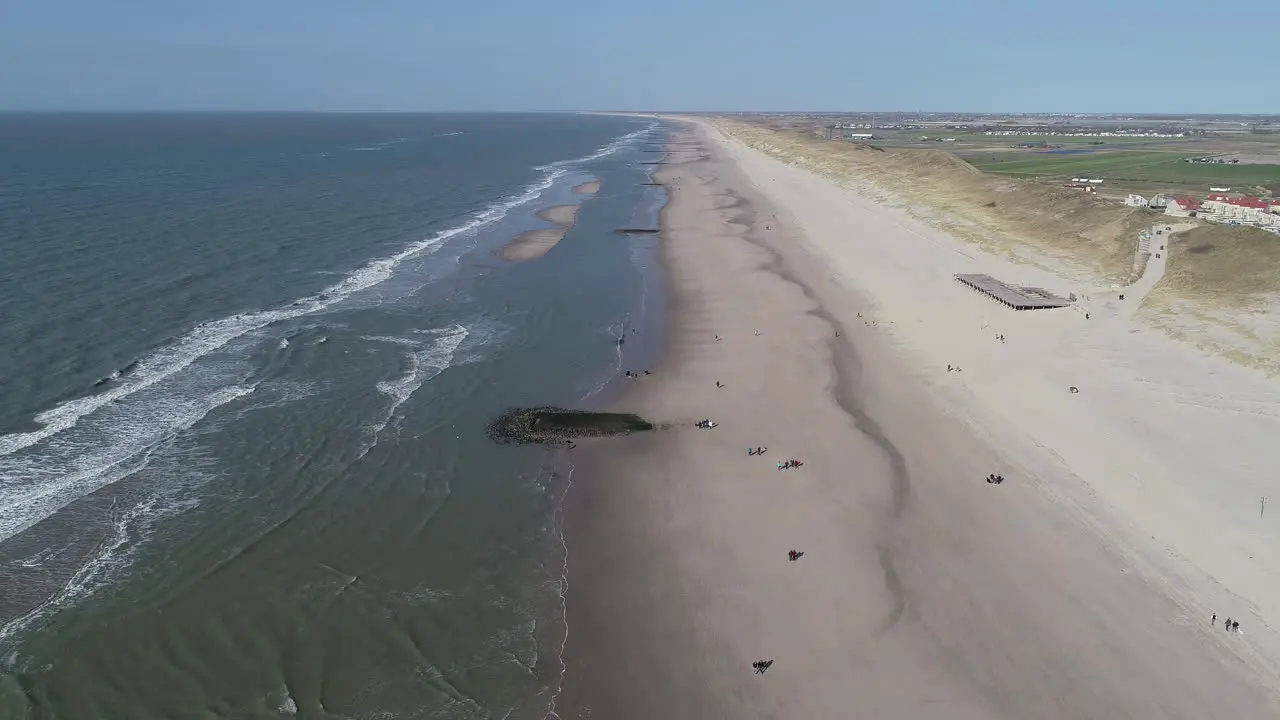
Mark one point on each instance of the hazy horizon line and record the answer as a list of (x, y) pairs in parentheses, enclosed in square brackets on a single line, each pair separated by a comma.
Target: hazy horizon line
[(193, 111)]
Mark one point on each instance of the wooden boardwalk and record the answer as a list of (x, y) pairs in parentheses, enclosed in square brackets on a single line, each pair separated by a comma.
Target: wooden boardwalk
[(1018, 298)]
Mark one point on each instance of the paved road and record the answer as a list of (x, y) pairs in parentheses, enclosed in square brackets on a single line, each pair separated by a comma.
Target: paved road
[(1154, 270)]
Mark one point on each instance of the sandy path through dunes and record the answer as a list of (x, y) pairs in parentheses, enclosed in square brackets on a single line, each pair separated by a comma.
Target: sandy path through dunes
[(924, 592)]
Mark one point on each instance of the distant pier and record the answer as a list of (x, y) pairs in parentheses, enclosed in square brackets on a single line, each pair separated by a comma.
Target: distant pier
[(1016, 297)]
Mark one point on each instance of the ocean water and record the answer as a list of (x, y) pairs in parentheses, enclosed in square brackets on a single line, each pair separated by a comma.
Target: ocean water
[(247, 364)]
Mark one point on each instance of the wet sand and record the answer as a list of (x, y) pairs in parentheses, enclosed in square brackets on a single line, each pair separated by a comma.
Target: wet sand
[(536, 243), (924, 592), (588, 188)]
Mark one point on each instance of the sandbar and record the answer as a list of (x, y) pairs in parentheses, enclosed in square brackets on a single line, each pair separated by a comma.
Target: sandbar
[(534, 244), (588, 188)]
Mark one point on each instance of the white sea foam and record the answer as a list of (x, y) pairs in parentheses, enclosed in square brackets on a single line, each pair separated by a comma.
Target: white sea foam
[(115, 550), (380, 146), (428, 356), (609, 149), (45, 469), (120, 443), (210, 336)]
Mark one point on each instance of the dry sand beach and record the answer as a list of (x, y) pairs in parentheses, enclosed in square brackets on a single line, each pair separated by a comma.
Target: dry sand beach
[(1081, 587)]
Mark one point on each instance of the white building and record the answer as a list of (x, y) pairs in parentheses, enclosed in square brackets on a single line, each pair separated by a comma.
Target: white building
[(861, 136), (1240, 211), (1136, 201), (1161, 200)]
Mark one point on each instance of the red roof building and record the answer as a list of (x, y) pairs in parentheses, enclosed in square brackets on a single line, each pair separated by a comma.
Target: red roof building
[(1249, 202), (1187, 202)]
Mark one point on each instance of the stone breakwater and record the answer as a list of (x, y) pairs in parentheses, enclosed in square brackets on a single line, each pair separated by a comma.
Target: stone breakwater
[(553, 425)]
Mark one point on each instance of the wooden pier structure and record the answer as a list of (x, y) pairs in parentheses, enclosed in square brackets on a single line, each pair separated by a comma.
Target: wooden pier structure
[(1016, 297)]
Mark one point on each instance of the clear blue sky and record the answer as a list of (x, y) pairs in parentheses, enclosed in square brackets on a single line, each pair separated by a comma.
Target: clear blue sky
[(411, 55)]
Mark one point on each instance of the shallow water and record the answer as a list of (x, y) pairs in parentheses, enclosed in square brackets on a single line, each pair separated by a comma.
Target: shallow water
[(249, 363)]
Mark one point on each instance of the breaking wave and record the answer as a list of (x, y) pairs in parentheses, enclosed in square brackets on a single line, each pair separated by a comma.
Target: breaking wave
[(89, 442)]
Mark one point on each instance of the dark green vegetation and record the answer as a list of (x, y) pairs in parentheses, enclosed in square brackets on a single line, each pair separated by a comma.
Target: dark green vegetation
[(549, 424), (1144, 166)]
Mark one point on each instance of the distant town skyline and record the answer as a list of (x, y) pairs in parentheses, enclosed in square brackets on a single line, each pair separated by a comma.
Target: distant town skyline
[(1147, 57)]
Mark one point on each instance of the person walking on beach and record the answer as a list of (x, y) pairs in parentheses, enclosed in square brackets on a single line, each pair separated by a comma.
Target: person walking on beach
[(1214, 620)]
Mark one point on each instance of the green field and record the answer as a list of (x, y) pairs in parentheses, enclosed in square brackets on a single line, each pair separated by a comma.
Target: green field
[(1065, 140), (1138, 166)]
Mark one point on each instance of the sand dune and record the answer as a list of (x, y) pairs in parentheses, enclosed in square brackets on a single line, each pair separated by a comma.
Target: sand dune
[(1226, 302), (1222, 294), (1081, 587), (1036, 223)]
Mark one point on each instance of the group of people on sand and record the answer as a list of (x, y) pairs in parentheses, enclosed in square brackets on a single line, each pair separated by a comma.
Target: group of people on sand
[(634, 375), (1229, 625), (994, 479), (760, 666)]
